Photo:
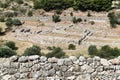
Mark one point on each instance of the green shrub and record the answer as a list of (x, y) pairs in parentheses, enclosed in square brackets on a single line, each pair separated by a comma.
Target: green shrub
[(84, 5), (9, 22), (58, 11), (19, 1), (56, 18), (6, 52), (74, 20), (17, 22), (10, 44), (89, 14), (0, 30), (56, 52), (92, 22), (9, 14), (71, 14), (79, 20), (30, 13), (112, 19), (4, 5), (71, 47), (2, 19), (92, 50), (34, 50), (104, 52)]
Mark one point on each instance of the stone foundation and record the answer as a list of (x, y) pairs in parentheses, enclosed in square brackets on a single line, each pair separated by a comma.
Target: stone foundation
[(42, 68)]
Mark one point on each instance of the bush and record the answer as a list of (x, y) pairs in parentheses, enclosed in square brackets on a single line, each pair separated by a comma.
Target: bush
[(2, 19), (56, 18), (6, 52), (58, 11), (56, 52), (71, 14), (94, 5), (92, 22), (104, 52), (19, 1), (74, 20), (34, 50), (10, 44), (52, 4), (9, 14), (4, 5), (112, 19), (9, 22), (79, 20), (0, 30), (30, 13), (89, 14), (17, 22), (71, 47), (92, 50)]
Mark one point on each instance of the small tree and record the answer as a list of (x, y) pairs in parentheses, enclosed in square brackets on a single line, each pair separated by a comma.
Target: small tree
[(34, 50), (71, 47), (6, 52), (30, 13), (56, 18), (10, 44)]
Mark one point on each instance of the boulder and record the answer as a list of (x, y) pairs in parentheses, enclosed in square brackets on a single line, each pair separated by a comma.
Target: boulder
[(68, 61), (23, 59), (115, 61), (104, 62), (73, 58), (60, 62), (52, 60), (13, 58), (33, 57), (43, 59)]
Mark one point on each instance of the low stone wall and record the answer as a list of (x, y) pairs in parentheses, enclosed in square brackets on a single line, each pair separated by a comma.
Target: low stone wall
[(72, 68)]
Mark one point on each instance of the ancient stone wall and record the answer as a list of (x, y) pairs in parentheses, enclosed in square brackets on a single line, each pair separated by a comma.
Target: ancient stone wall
[(72, 68)]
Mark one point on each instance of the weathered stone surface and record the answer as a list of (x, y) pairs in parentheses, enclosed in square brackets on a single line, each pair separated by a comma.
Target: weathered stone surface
[(43, 58), (13, 58), (115, 61), (52, 60), (67, 61), (35, 68), (104, 62), (63, 68), (23, 59), (73, 58), (33, 57), (60, 62)]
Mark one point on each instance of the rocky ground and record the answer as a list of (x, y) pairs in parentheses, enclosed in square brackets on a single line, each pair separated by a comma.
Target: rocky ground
[(72, 68)]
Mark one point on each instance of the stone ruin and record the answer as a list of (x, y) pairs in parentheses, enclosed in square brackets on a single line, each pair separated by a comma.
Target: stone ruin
[(41, 68)]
